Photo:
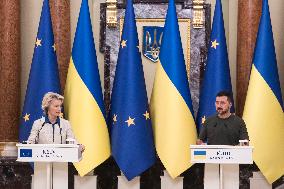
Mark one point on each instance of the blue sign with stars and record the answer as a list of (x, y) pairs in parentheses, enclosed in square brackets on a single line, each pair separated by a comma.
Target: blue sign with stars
[(26, 153)]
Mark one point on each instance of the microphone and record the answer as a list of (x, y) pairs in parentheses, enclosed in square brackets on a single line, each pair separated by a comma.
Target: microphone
[(41, 126), (60, 132), (40, 129)]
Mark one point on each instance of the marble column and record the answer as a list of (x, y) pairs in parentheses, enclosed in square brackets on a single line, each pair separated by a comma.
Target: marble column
[(9, 72), (60, 13), (249, 12)]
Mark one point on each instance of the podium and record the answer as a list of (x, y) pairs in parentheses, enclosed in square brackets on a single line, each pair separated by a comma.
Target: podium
[(50, 163), (217, 158)]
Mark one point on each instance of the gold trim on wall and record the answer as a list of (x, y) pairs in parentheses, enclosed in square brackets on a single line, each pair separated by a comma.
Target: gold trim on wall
[(111, 13), (162, 20), (198, 14)]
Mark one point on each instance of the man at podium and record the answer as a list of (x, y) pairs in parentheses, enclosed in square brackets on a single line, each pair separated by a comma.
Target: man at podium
[(224, 128)]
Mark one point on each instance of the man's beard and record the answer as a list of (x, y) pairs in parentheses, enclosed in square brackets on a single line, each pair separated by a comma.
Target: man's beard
[(221, 111)]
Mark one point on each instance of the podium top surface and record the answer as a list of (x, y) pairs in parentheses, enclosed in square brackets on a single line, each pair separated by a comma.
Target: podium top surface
[(219, 147), (48, 145)]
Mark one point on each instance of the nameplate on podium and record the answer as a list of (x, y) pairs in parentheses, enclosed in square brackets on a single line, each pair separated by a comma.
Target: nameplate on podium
[(221, 154), (49, 153)]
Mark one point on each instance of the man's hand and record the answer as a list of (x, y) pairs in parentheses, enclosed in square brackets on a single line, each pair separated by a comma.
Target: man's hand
[(199, 142), (244, 142)]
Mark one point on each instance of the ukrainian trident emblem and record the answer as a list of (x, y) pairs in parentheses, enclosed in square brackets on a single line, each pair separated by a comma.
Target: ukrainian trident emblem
[(152, 40)]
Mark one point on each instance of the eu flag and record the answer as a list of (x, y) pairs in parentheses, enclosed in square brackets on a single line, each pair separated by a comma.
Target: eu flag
[(131, 130), (263, 112), (43, 76), (217, 72)]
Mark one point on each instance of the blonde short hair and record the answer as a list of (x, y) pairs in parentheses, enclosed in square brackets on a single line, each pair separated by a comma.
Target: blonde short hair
[(47, 98)]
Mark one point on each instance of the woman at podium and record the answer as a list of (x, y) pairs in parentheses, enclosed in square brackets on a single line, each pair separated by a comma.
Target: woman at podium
[(51, 128)]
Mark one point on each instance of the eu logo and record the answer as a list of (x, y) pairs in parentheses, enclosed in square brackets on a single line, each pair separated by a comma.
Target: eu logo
[(26, 153), (152, 40)]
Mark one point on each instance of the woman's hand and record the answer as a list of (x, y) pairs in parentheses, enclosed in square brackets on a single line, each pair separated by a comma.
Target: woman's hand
[(82, 147)]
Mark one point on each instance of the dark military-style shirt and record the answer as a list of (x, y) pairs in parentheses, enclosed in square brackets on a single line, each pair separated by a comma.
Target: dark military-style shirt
[(228, 131)]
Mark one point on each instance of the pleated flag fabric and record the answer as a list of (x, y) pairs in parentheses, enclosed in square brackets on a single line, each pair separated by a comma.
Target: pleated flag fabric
[(83, 104), (263, 112), (171, 106), (44, 76), (217, 72), (131, 130)]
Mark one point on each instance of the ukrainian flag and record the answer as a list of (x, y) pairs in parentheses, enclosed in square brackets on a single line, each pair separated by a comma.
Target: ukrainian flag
[(171, 107), (263, 112), (84, 105), (199, 154)]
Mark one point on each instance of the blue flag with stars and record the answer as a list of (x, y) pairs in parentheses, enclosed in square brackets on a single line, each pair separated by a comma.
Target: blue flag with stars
[(217, 72), (131, 131), (44, 76)]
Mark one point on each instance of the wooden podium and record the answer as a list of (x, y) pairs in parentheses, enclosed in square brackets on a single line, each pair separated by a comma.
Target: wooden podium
[(218, 158), (50, 163)]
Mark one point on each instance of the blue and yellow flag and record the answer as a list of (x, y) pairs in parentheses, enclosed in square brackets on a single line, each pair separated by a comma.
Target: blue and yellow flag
[(131, 130), (263, 112), (171, 105), (43, 76), (217, 72), (83, 104)]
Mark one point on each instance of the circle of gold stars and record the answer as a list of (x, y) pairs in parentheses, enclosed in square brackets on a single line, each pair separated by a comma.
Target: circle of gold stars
[(114, 118), (147, 115), (54, 47), (26, 117), (123, 43), (130, 121), (214, 44), (38, 42)]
